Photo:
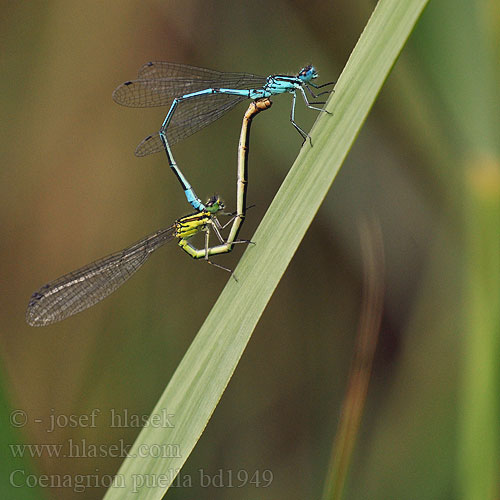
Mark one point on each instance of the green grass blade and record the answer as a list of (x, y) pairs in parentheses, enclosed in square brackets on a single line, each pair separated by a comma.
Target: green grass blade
[(479, 456), (198, 384)]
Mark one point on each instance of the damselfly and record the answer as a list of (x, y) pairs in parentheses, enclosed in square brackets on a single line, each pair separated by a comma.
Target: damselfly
[(81, 289), (199, 96)]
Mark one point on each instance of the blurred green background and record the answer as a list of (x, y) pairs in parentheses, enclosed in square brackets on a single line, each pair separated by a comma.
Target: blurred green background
[(426, 164)]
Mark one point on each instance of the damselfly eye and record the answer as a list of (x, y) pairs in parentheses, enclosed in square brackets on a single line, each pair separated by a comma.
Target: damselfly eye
[(307, 73), (212, 200)]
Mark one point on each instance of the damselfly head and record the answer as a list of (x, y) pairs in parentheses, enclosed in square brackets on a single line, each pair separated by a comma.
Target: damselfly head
[(214, 204), (308, 73)]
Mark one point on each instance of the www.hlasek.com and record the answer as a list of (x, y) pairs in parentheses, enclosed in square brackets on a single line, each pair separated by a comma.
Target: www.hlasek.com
[(81, 448), (79, 483)]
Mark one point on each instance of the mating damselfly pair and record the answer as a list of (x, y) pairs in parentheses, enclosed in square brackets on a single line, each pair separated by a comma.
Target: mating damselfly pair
[(197, 97)]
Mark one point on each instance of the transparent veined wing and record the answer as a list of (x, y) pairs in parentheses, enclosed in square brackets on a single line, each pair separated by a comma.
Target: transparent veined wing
[(159, 83), (161, 69), (80, 289)]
